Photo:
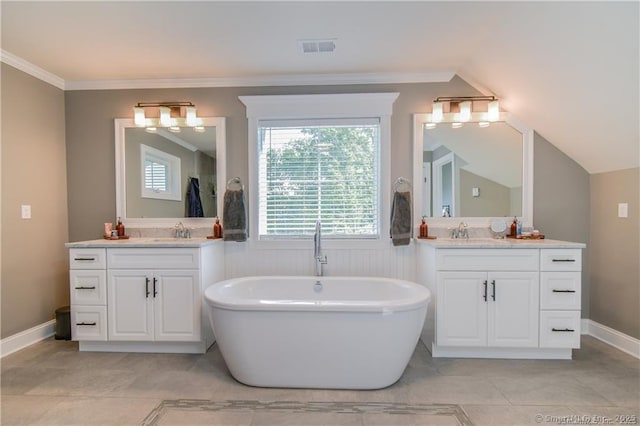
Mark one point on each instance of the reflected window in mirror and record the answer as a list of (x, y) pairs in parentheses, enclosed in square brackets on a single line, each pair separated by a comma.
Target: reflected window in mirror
[(160, 174)]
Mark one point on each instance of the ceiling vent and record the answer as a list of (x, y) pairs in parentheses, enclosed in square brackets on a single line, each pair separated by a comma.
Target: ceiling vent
[(317, 46)]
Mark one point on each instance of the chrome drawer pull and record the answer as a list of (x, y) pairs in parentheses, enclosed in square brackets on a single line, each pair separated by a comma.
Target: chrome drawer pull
[(563, 291), (86, 288), (84, 259), (563, 329), (563, 260), (86, 323)]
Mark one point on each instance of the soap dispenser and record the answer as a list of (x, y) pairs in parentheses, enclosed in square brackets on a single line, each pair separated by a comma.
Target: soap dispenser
[(120, 228), (424, 229), (217, 229), (513, 231)]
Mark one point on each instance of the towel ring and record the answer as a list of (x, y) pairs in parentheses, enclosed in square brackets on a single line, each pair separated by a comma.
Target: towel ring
[(235, 181), (400, 182)]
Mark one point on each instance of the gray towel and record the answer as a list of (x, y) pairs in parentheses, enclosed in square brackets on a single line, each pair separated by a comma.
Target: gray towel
[(401, 223), (234, 216)]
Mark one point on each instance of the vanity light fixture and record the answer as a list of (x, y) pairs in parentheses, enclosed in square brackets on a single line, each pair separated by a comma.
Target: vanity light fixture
[(171, 115), (460, 110)]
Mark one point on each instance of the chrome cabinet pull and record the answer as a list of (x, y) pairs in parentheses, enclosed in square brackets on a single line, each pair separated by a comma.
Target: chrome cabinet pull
[(86, 323), (493, 291), (563, 330), (484, 295), (563, 291), (86, 288)]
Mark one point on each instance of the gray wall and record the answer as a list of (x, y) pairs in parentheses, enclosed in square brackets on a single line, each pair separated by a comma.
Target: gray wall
[(614, 251), (561, 202), (34, 260), (494, 199)]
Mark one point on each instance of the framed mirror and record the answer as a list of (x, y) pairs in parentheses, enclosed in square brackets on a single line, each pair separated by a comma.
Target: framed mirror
[(473, 174), (163, 178)]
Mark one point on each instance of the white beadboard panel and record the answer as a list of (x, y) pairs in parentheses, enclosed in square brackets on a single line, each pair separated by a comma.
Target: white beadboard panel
[(391, 262)]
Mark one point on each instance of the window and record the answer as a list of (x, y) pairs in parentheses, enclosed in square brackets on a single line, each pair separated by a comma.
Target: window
[(325, 170), (160, 174), (319, 157)]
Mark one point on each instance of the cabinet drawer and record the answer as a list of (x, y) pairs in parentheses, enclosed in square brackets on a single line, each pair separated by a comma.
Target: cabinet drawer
[(89, 323), (561, 260), (143, 258), (560, 290), (560, 329), (88, 287), (487, 260), (85, 258)]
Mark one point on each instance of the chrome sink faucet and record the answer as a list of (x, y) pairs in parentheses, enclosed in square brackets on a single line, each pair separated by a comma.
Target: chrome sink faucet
[(317, 249), (181, 231), (461, 231)]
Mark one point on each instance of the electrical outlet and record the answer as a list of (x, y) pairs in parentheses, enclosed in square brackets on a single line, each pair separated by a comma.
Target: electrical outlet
[(25, 211), (623, 210)]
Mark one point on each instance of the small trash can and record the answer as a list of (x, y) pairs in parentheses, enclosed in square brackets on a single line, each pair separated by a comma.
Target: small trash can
[(63, 323)]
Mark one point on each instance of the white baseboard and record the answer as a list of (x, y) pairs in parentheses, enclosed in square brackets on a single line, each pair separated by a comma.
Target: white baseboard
[(612, 337), (25, 338)]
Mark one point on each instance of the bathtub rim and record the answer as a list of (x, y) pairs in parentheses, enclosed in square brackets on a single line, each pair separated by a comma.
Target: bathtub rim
[(385, 306)]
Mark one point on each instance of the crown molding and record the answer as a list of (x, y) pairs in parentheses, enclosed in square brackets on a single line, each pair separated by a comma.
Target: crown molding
[(269, 80), (274, 80), (31, 69)]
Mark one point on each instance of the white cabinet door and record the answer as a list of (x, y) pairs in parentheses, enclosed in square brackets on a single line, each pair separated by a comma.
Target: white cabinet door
[(461, 311), (130, 305), (513, 307), (177, 305)]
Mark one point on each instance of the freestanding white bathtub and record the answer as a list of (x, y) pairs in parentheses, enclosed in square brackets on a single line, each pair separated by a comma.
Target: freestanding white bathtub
[(317, 332)]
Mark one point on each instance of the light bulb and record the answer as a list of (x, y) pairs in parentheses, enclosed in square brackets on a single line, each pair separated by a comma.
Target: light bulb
[(165, 117), (437, 114), (456, 125), (493, 111), (483, 124), (138, 116), (465, 111), (151, 130), (191, 116), (174, 129), (200, 129), (430, 126)]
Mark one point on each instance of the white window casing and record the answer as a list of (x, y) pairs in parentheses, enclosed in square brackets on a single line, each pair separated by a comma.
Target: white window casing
[(320, 110)]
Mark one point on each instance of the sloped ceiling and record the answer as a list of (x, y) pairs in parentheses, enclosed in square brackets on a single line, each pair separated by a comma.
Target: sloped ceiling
[(570, 70)]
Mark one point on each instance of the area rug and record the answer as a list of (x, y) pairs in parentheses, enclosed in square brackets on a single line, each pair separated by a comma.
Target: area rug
[(207, 411)]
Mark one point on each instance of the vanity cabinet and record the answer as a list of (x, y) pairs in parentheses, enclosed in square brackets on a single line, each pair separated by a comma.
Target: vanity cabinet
[(88, 294), (149, 305), (139, 298), (502, 299), (495, 309), (480, 304)]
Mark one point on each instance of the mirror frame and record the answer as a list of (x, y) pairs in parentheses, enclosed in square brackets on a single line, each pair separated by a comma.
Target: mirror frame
[(419, 119), (121, 124)]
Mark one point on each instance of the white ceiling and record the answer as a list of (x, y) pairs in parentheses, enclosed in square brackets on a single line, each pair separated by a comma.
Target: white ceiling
[(570, 70)]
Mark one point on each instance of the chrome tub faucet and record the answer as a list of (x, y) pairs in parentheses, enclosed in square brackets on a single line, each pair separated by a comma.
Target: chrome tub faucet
[(320, 259)]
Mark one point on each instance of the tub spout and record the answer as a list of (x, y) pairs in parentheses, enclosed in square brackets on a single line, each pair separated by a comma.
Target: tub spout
[(317, 249)]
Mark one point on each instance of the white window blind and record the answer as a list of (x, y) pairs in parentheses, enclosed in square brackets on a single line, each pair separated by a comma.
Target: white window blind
[(327, 170), (156, 175)]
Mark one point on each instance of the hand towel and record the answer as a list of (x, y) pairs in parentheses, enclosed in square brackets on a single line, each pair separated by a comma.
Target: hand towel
[(401, 223), (234, 216)]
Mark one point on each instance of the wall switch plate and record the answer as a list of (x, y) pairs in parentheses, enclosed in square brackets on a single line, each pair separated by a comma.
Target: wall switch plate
[(623, 210), (475, 191), (25, 211)]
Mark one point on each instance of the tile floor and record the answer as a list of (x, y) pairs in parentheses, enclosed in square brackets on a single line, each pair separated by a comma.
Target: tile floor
[(52, 383)]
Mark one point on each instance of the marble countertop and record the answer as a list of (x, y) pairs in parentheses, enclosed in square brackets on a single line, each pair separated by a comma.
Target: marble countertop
[(492, 243), (144, 242)]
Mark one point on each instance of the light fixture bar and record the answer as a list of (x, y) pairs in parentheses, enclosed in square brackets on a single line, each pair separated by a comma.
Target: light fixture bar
[(165, 119)]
